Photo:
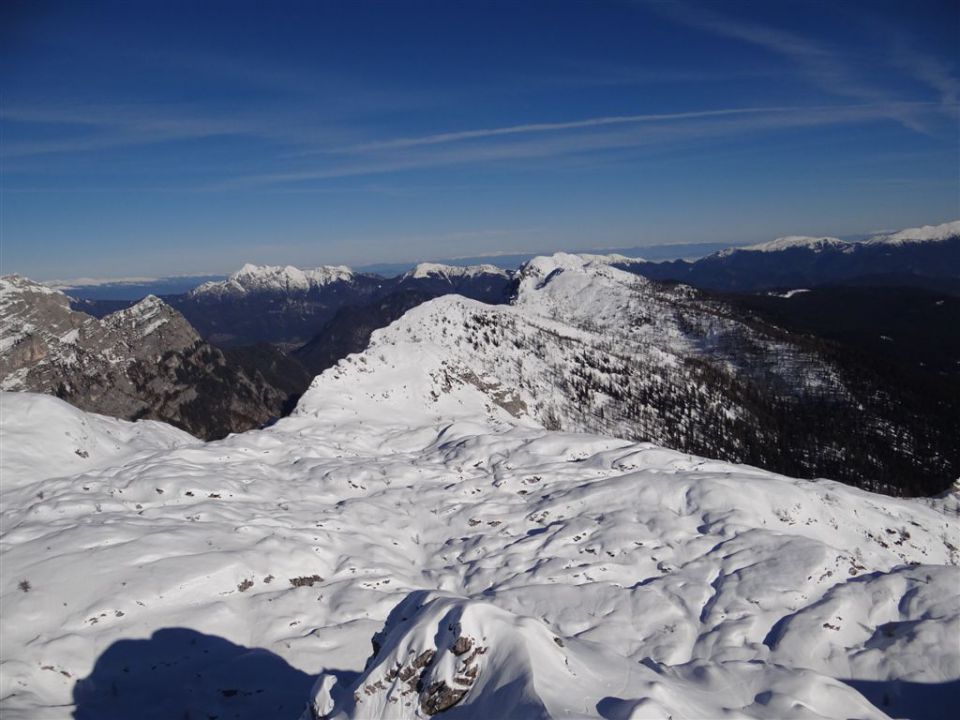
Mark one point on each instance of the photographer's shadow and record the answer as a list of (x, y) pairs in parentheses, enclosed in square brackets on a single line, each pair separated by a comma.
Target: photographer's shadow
[(181, 674)]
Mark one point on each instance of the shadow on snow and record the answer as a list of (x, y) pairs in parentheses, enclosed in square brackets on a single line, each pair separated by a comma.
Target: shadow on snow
[(181, 674)]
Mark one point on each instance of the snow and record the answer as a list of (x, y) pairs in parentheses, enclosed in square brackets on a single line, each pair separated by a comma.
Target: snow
[(790, 242), (15, 284), (267, 278), (426, 270), (145, 317), (789, 293), (927, 233), (410, 500), (43, 437)]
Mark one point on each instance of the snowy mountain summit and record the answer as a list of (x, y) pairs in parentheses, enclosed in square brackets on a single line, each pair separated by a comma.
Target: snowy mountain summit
[(275, 278), (925, 234), (792, 242), (439, 270)]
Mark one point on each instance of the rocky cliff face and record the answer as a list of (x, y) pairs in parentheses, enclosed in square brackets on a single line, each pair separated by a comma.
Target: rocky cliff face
[(145, 361)]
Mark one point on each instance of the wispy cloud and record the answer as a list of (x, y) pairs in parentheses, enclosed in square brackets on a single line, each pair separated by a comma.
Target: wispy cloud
[(448, 137), (90, 128), (927, 70), (831, 70), (547, 140)]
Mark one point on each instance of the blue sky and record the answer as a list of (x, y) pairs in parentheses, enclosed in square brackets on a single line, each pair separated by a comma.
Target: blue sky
[(165, 138)]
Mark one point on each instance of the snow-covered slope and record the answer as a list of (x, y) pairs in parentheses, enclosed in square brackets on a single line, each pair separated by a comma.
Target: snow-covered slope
[(274, 278), (791, 242), (43, 437), (586, 346), (927, 233), (412, 537)]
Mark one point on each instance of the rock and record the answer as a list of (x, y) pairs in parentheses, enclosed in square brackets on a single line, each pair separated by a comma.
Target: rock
[(439, 697)]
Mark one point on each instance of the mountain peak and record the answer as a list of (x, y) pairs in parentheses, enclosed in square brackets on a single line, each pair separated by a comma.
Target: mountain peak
[(542, 267), (270, 278), (149, 315), (927, 233)]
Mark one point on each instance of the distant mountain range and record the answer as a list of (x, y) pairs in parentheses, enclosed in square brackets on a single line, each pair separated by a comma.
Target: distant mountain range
[(922, 257), (288, 306), (785, 355)]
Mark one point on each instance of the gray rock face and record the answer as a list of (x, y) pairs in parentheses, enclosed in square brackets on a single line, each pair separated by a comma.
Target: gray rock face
[(145, 361)]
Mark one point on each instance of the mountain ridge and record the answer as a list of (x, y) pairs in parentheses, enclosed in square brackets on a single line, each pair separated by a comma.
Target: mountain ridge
[(144, 361)]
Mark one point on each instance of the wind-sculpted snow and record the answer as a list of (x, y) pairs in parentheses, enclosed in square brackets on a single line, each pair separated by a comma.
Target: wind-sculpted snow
[(43, 437), (383, 534)]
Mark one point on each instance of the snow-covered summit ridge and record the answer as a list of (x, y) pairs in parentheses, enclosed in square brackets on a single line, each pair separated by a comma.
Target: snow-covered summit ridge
[(543, 266), (147, 316), (439, 270), (927, 233), (791, 242), (11, 285), (272, 278)]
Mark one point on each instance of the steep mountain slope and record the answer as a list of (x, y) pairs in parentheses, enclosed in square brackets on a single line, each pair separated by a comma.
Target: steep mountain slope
[(350, 329), (588, 347), (278, 369), (145, 361), (272, 304), (288, 306), (923, 257), (904, 326), (496, 569), (486, 283)]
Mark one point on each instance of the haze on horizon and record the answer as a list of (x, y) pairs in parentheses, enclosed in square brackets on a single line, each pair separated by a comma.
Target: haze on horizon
[(152, 139)]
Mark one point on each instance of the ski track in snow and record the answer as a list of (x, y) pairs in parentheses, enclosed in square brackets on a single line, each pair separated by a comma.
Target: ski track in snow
[(600, 577)]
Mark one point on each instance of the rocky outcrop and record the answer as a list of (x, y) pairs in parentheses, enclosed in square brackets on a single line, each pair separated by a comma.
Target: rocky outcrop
[(145, 361), (430, 657)]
